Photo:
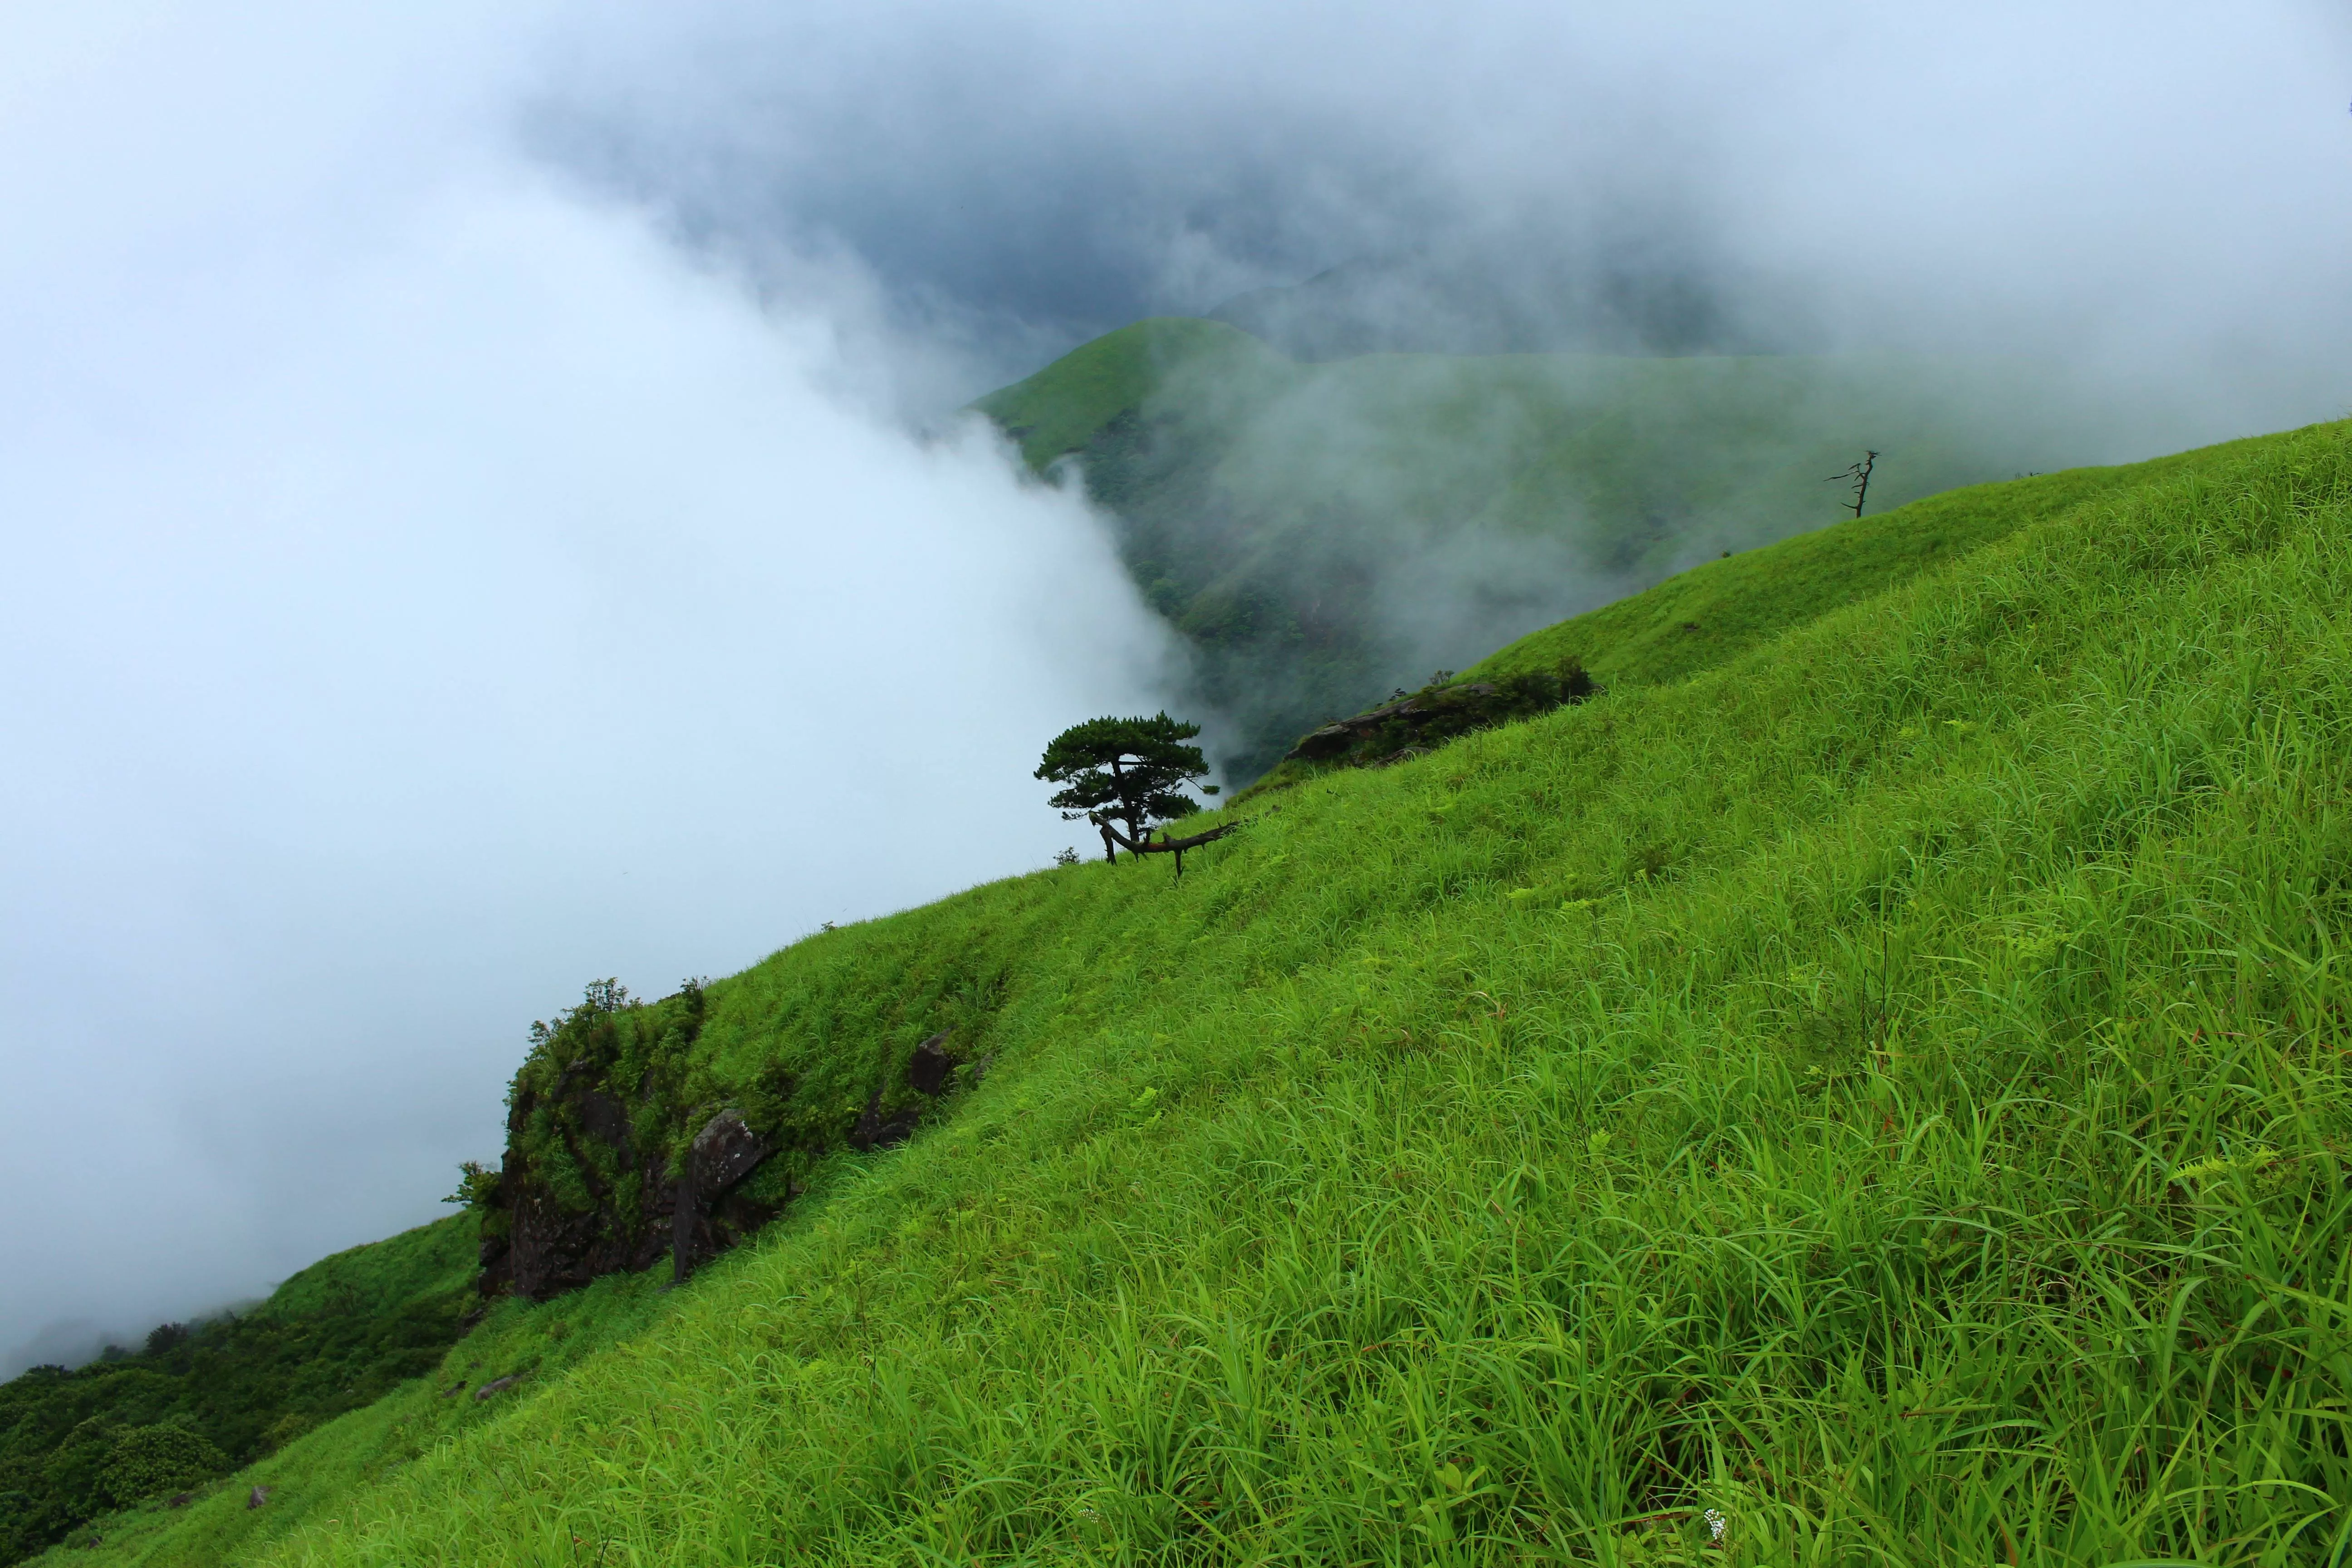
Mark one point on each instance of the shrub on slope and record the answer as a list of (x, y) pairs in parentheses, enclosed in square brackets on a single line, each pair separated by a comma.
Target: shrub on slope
[(1881, 1096)]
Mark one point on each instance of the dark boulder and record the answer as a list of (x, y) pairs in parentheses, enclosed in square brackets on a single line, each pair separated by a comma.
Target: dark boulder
[(725, 1152), (927, 1068), (701, 1223)]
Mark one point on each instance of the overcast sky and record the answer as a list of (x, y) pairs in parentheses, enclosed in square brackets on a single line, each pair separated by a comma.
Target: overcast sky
[(483, 510), (2153, 183)]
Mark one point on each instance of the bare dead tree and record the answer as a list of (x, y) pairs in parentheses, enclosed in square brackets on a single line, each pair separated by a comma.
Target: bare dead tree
[(1859, 473)]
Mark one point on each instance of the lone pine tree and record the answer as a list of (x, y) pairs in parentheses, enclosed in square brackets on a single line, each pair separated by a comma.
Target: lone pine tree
[(1131, 770)]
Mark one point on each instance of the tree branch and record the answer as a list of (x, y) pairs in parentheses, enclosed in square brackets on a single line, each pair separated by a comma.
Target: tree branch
[(1168, 846)]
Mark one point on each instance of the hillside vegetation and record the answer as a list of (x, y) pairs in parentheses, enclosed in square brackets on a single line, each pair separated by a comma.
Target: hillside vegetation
[(1705, 616), (195, 1401), (1876, 1096), (1321, 532)]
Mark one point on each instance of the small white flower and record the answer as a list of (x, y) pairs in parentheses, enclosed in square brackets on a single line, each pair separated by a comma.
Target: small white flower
[(1716, 1524)]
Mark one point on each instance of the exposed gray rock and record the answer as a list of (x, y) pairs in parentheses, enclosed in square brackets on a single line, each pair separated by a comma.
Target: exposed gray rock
[(724, 1152), (606, 1120)]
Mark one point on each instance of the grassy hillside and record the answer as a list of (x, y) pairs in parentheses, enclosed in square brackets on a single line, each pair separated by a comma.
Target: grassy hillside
[(1879, 1096), (334, 1338), (1720, 608), (1322, 533), (313, 1482), (1703, 617)]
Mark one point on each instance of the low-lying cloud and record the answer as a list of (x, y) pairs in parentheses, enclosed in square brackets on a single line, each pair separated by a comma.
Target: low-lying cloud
[(428, 591), (2087, 233), (2150, 187)]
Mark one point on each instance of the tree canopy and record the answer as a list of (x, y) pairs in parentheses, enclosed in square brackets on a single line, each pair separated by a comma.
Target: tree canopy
[(1131, 770)]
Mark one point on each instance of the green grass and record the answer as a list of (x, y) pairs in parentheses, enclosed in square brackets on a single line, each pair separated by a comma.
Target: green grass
[(1699, 618), (424, 1264), (1887, 1088), (1060, 409), (1703, 617), (313, 1480), (335, 1337), (1323, 532)]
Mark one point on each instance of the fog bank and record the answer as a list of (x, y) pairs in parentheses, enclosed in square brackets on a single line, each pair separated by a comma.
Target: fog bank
[(2045, 237), (2156, 190), (429, 591)]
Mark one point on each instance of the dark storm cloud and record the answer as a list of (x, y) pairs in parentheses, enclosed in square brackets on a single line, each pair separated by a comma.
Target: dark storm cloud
[(1025, 176)]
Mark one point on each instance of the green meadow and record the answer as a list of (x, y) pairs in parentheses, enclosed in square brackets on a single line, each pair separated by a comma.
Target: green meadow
[(1868, 1088), (337, 1336)]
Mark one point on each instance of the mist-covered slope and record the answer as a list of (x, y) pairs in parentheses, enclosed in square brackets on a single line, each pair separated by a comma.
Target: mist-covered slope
[(1509, 300), (1700, 617), (1323, 532), (1874, 1097)]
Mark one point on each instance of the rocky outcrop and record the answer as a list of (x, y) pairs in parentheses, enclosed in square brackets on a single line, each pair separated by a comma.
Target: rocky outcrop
[(552, 1246), (703, 1223), (1413, 723), (928, 1073), (606, 1169)]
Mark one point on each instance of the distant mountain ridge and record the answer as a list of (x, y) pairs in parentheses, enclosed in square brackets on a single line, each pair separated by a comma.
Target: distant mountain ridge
[(1321, 531)]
